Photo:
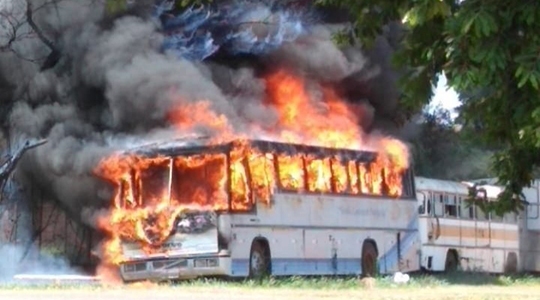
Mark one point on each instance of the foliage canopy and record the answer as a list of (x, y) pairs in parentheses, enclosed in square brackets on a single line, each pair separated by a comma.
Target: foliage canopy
[(487, 49)]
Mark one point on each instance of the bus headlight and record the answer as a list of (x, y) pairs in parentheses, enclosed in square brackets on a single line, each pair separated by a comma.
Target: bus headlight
[(206, 263)]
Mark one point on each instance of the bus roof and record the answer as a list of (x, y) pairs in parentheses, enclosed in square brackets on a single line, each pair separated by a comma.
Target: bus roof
[(455, 187), (189, 146), (445, 186)]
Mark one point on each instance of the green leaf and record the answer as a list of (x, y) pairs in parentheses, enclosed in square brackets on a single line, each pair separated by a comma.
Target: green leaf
[(523, 80), (519, 71), (467, 26), (534, 80)]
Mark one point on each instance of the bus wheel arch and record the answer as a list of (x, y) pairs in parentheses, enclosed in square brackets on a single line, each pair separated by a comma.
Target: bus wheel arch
[(451, 262), (370, 253), (511, 265), (260, 258)]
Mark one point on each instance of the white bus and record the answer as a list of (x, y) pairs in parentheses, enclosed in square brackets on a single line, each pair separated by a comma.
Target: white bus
[(456, 235), (286, 210), (529, 225)]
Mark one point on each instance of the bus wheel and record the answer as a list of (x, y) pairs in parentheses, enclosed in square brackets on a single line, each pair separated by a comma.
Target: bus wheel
[(369, 260), (511, 263), (259, 260), (451, 263)]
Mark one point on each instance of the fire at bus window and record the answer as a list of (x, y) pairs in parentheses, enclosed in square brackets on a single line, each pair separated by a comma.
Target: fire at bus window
[(318, 175), (340, 178), (241, 199), (364, 175), (291, 172), (352, 172), (128, 195), (201, 179), (154, 184), (263, 175), (376, 180)]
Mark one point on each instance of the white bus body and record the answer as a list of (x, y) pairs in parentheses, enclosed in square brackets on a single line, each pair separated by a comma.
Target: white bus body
[(325, 235), (530, 233), (300, 233), (455, 235), (529, 222)]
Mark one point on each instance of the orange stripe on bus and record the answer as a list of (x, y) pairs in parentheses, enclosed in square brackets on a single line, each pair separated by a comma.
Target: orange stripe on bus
[(464, 232)]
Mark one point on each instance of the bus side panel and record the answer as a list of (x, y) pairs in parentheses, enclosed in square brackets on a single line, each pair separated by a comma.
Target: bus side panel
[(324, 235), (530, 251), (322, 252), (410, 253)]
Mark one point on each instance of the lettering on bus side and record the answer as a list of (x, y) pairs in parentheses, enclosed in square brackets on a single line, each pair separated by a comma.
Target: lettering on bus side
[(363, 212)]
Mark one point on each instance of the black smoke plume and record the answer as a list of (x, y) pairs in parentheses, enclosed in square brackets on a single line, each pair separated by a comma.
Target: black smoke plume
[(108, 86)]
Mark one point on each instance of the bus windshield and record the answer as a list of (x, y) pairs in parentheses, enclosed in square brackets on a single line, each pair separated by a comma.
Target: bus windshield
[(184, 180)]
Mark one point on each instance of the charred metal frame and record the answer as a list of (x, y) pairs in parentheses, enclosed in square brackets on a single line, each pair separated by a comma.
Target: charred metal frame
[(365, 158), (169, 187), (228, 181)]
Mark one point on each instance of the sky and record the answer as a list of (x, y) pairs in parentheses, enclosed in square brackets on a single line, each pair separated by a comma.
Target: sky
[(445, 97)]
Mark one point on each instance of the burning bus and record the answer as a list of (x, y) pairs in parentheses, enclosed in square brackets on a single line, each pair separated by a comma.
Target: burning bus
[(254, 207)]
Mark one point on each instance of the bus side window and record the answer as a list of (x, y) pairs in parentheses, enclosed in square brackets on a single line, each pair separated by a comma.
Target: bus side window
[(510, 217), (340, 178), (457, 200), (354, 179), (262, 169), (496, 218), (450, 208), (422, 206), (480, 214), (429, 203), (319, 175), (439, 206), (407, 184), (464, 209), (291, 173)]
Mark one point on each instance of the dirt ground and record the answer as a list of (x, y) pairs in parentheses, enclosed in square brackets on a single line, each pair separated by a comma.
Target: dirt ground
[(216, 293)]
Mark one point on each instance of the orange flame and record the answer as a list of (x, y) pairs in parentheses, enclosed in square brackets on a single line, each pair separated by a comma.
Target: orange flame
[(150, 193), (328, 122)]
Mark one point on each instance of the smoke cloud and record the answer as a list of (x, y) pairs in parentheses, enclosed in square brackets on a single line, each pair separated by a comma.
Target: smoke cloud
[(119, 76)]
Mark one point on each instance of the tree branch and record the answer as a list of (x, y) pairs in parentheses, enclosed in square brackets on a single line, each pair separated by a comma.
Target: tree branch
[(55, 54), (37, 30)]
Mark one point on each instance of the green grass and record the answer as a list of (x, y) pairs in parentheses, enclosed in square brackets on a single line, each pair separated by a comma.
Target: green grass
[(315, 283), (381, 282)]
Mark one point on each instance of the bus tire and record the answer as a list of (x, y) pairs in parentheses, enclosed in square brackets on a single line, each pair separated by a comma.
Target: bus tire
[(259, 259), (369, 259), (451, 263), (511, 266)]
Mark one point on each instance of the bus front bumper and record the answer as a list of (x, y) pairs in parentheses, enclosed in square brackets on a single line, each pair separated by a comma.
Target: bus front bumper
[(160, 269)]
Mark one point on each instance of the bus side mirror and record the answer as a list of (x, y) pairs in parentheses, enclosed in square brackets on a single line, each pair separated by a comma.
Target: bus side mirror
[(421, 209)]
